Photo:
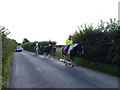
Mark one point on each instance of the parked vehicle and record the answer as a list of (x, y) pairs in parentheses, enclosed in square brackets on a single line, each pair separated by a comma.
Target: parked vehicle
[(18, 49)]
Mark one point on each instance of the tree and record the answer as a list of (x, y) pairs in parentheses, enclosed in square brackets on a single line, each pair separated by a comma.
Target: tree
[(25, 40)]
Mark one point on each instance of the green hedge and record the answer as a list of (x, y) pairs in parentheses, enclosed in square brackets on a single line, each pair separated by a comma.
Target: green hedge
[(8, 46), (101, 44), (29, 46)]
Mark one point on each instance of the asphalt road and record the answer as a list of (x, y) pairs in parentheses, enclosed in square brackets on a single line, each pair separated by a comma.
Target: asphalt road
[(30, 71)]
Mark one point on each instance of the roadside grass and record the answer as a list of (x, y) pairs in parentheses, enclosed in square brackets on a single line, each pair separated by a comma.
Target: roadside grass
[(59, 54), (5, 71), (108, 69)]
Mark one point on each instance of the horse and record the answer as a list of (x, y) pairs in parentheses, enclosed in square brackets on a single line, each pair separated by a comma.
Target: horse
[(36, 50), (47, 50), (72, 52)]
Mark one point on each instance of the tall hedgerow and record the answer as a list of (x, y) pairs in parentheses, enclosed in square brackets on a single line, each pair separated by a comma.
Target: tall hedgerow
[(101, 44), (8, 46)]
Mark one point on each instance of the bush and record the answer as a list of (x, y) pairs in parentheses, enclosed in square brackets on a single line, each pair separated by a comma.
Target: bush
[(8, 46), (101, 44)]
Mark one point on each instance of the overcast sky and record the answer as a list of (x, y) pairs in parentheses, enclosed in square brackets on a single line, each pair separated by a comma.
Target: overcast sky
[(43, 20)]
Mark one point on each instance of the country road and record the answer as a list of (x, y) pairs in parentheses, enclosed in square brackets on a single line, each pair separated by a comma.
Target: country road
[(30, 71)]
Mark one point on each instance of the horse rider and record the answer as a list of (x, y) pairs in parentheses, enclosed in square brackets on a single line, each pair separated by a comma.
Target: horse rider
[(68, 43), (54, 50), (36, 46)]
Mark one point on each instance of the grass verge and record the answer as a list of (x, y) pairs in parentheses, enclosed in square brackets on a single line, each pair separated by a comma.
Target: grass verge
[(6, 70), (108, 69)]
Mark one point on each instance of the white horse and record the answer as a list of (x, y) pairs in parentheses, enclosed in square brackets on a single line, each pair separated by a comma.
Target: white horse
[(72, 51), (36, 50)]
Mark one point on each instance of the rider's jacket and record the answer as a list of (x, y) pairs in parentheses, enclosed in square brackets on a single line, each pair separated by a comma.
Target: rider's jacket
[(36, 44), (69, 42)]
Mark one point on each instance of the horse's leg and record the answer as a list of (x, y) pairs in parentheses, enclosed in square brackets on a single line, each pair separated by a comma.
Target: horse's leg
[(35, 52), (72, 61), (65, 61), (44, 54), (49, 55), (63, 58)]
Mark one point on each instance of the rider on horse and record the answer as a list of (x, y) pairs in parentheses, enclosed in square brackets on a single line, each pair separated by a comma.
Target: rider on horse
[(68, 43), (36, 47)]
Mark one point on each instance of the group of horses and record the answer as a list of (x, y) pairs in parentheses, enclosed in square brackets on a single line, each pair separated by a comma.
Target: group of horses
[(71, 52), (45, 49)]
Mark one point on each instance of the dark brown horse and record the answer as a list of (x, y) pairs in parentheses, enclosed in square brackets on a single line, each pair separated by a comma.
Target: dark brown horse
[(47, 50)]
